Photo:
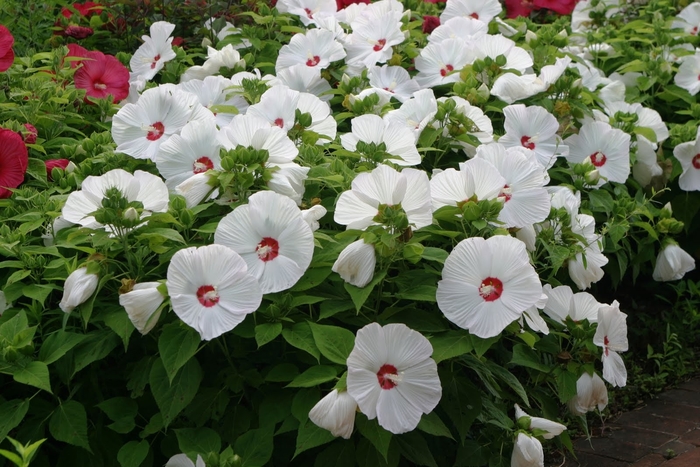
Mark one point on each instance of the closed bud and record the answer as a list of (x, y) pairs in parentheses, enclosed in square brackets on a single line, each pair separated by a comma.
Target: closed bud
[(356, 263), (142, 305), (592, 177), (131, 214), (666, 211), (336, 413), (79, 286), (530, 36)]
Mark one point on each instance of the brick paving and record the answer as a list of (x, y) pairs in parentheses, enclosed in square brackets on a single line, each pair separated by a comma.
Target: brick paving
[(664, 433)]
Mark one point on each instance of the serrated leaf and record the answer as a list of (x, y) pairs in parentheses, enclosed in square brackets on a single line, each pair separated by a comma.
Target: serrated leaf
[(58, 344), (198, 440), (255, 447), (310, 436), (267, 332), (69, 424), (433, 425), (34, 374), (301, 337), (11, 415), (172, 398), (177, 345), (335, 343), (378, 436), (450, 344), (133, 453), (314, 376)]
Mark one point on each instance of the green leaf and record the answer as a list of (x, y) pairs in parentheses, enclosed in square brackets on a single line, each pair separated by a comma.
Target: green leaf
[(177, 344), (133, 453), (378, 436), (335, 343), (435, 254), (527, 357), (255, 447), (267, 332), (566, 385), (314, 376), (10, 328), (118, 321), (172, 398), (471, 454), (433, 425), (310, 436), (450, 344), (420, 293), (301, 337), (647, 132), (57, 344), (415, 449), (168, 234), (38, 292), (11, 415), (282, 372), (508, 378), (601, 201), (122, 411), (69, 424), (462, 402), (96, 347), (198, 441), (360, 295), (482, 345), (34, 374), (304, 400), (339, 454)]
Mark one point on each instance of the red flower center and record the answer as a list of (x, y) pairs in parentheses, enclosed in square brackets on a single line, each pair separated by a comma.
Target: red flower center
[(606, 342), (207, 295), (309, 13), (202, 165), (313, 61), (155, 59), (506, 192), (491, 289), (527, 143), (387, 376), (155, 131), (475, 15), (598, 159), (379, 45), (446, 69), (696, 161), (279, 122), (268, 249), (694, 31)]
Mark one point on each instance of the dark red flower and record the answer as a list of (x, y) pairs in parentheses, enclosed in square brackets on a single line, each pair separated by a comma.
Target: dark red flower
[(563, 7), (85, 9), (430, 23), (343, 3), (32, 133), (7, 56), (78, 32), (178, 41), (54, 163), (515, 8), (435, 1), (13, 161), (101, 76)]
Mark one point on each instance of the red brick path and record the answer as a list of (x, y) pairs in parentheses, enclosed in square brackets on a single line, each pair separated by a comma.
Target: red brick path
[(665, 433)]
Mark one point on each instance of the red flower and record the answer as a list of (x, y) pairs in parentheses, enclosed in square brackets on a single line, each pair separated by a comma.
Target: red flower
[(85, 9), (515, 8), (103, 75), (430, 23), (178, 41), (343, 3), (78, 32), (7, 56), (13, 161), (563, 7), (32, 133)]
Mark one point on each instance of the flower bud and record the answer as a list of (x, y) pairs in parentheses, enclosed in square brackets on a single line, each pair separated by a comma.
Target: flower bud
[(356, 262), (79, 286), (142, 305), (530, 36), (195, 189), (206, 42), (592, 177), (590, 393), (312, 216), (335, 413), (667, 211), (131, 214), (672, 263), (527, 452)]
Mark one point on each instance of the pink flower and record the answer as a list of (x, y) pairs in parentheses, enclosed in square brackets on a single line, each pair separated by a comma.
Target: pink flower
[(563, 7), (86, 9), (7, 56), (30, 136), (13, 161), (78, 32), (344, 3), (515, 8), (102, 76), (430, 23)]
